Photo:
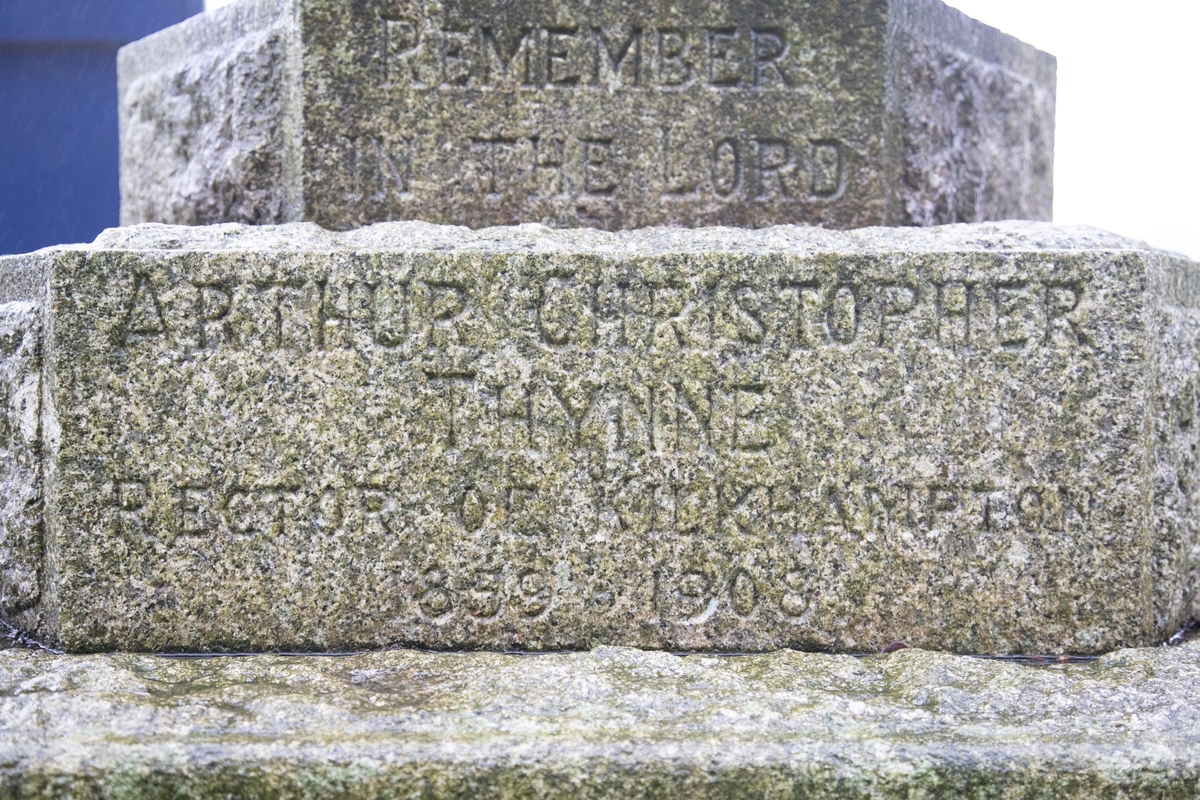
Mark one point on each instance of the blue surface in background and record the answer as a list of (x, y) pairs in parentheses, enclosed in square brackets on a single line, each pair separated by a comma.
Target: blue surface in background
[(58, 113)]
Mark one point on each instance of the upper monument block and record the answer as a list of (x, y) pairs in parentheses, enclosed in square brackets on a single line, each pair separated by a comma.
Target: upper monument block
[(611, 114)]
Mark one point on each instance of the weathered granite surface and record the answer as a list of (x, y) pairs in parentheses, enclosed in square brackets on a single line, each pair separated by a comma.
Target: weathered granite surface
[(609, 723), (974, 438), (610, 114)]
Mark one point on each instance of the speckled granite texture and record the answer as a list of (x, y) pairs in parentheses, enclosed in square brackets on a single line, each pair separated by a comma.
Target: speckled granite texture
[(609, 723), (974, 438), (613, 114)]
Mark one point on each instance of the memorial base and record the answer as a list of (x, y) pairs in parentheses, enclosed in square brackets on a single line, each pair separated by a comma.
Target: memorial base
[(979, 439), (609, 723)]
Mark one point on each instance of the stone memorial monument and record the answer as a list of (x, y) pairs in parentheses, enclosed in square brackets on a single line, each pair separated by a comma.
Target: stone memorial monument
[(607, 114), (979, 439), (323, 435)]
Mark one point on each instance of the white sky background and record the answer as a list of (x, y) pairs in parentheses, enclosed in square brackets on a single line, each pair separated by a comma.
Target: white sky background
[(1127, 139), (1127, 145)]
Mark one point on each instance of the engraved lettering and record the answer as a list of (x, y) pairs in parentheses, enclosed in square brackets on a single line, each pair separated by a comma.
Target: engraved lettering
[(751, 511), (673, 326), (143, 314), (1015, 314), (473, 510), (401, 46), (1074, 510), (576, 402), (548, 159), (727, 168), (724, 59), (674, 68), (752, 429), (452, 387), (795, 596), (599, 178), (954, 314), (345, 308), (611, 62), (446, 301), (565, 315), (496, 153), (500, 63), (770, 48), (649, 317), (215, 303), (435, 602), (379, 173), (828, 171), (1029, 505), (677, 178), (635, 505), (381, 514), (456, 57), (330, 512), (1062, 301), (131, 499), (774, 167), (270, 317), (695, 405), (196, 511), (695, 508), (943, 499), (747, 314), (515, 403), (743, 593), (560, 49), (391, 314), (257, 512), (895, 301), (485, 600), (537, 593), (842, 316), (810, 330), (694, 597), (422, 54)]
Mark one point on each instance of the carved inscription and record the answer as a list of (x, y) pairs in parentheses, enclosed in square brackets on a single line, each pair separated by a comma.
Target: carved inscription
[(757, 169), (789, 314), (538, 166), (585, 160), (523, 406), (752, 168), (366, 512), (379, 171), (918, 519), (420, 54)]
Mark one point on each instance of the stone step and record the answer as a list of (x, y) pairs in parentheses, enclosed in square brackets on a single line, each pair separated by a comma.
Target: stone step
[(605, 114), (975, 438), (608, 723)]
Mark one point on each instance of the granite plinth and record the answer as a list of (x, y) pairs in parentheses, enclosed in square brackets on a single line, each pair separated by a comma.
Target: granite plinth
[(611, 114), (609, 723), (972, 438)]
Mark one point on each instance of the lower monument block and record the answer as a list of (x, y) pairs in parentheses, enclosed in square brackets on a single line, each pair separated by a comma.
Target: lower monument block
[(976, 438), (608, 723)]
